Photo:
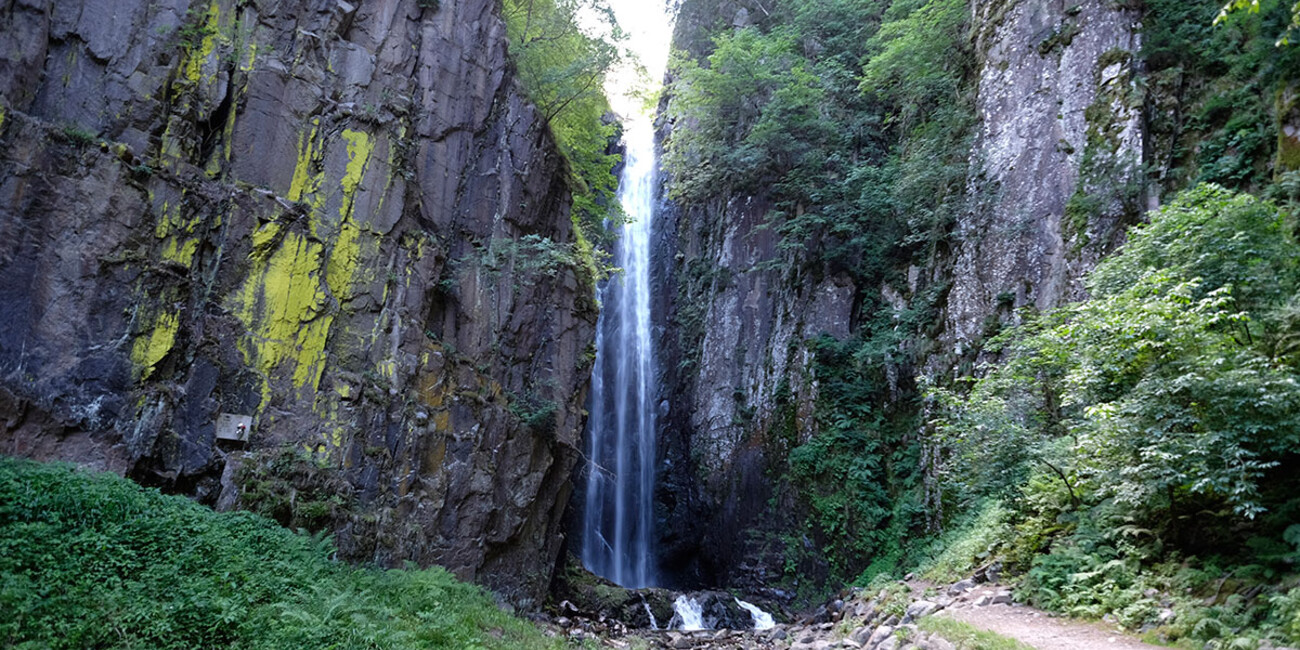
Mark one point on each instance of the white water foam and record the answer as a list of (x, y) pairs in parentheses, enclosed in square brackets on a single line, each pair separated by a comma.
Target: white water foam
[(690, 612), (654, 625), (762, 620)]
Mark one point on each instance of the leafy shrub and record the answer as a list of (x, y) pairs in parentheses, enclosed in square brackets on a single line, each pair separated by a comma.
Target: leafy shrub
[(1286, 607), (1153, 391), (975, 541), (1152, 421), (93, 560)]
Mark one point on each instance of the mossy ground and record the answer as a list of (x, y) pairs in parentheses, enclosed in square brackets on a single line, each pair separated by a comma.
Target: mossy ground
[(968, 637)]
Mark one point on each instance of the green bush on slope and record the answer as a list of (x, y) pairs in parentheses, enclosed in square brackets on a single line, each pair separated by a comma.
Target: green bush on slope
[(93, 560), (563, 66), (1155, 429)]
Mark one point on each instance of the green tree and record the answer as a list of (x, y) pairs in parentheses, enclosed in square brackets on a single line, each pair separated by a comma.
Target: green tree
[(1160, 389), (1252, 6), (563, 67)]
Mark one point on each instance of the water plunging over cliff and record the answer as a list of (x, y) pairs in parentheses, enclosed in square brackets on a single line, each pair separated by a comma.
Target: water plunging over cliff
[(618, 516)]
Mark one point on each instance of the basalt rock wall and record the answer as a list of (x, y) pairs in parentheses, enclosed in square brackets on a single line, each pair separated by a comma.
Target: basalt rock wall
[(1055, 169), (1054, 182), (338, 224), (739, 381)]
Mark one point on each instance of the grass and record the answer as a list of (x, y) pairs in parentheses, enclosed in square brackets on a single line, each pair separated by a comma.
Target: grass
[(966, 546), (93, 560), (968, 637)]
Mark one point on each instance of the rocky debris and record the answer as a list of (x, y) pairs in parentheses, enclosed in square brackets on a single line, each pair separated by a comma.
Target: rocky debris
[(856, 620), (583, 595), (921, 608)]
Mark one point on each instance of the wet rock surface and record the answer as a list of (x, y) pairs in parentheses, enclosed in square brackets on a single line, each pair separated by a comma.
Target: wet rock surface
[(856, 621), (736, 354), (342, 220)]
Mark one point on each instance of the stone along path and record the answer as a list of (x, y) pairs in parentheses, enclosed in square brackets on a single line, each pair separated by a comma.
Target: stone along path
[(860, 625)]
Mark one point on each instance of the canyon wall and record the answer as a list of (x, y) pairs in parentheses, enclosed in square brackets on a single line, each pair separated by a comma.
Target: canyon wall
[(1056, 164), (1053, 182), (338, 225)]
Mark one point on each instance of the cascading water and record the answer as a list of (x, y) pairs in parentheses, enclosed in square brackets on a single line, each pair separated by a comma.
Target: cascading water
[(689, 614), (762, 620), (618, 516)]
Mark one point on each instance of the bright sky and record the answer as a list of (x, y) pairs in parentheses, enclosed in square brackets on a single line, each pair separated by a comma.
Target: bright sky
[(649, 30)]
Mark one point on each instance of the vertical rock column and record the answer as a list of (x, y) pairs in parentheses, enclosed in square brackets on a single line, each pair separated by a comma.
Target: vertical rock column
[(342, 220), (1055, 166)]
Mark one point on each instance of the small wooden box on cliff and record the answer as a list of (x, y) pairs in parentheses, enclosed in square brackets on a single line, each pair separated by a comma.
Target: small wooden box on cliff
[(234, 428)]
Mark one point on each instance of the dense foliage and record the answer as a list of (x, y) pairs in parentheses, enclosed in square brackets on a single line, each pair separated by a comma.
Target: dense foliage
[(1141, 435), (563, 66), (850, 115), (854, 119), (1212, 93), (94, 561)]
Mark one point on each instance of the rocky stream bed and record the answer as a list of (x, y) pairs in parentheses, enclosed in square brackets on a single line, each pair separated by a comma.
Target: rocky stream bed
[(858, 619)]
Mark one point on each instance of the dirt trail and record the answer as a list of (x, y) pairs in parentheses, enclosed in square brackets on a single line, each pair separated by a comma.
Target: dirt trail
[(1036, 627)]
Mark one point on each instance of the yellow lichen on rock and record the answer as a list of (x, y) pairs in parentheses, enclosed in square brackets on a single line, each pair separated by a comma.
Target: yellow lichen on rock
[(180, 251), (264, 236), (345, 256), (150, 348), (359, 149), (284, 306), (304, 182), (178, 235), (344, 259), (197, 56)]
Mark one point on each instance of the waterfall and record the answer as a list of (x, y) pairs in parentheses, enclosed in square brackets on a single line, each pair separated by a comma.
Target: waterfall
[(690, 614), (654, 625), (619, 508), (762, 620)]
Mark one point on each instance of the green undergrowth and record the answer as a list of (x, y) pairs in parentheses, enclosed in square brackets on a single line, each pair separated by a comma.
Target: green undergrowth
[(968, 637), (963, 549), (91, 560), (1216, 602), (1135, 452)]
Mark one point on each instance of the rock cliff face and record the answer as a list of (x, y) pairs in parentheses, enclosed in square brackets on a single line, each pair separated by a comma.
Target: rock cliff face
[(1054, 182), (341, 220), (1055, 166), (736, 359), (739, 384)]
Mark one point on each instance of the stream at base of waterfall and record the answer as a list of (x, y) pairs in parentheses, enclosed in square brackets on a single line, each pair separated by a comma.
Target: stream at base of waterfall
[(623, 413)]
